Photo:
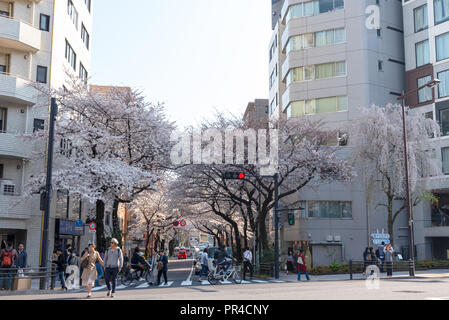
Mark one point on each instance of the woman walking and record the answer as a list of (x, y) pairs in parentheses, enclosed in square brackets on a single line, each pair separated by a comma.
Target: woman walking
[(389, 259), (289, 262), (90, 271)]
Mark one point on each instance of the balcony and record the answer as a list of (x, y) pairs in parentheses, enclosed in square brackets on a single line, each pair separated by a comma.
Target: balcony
[(13, 147), (19, 35), (12, 207), (16, 90)]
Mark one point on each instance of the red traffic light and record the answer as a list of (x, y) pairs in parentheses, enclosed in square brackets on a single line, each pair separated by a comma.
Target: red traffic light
[(241, 176)]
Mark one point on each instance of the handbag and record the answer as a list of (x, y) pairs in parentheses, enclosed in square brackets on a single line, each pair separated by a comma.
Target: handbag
[(300, 261)]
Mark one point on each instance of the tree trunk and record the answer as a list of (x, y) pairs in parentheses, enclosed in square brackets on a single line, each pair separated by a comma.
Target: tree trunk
[(116, 231), (263, 234), (99, 220), (147, 240), (238, 243), (390, 221)]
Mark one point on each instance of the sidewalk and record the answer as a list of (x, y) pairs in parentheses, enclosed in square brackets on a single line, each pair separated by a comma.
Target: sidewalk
[(434, 273)]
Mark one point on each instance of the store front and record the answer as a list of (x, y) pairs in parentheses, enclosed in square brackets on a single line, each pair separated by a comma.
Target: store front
[(15, 236), (66, 232)]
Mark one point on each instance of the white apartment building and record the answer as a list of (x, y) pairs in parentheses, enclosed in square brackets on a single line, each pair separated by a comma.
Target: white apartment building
[(39, 40), (326, 64)]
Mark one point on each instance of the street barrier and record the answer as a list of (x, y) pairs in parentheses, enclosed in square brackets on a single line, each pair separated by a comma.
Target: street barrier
[(357, 267), (20, 278)]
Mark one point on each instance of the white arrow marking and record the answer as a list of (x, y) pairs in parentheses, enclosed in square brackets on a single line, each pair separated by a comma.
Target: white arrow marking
[(166, 285), (143, 285), (205, 282), (186, 283), (98, 288), (122, 286)]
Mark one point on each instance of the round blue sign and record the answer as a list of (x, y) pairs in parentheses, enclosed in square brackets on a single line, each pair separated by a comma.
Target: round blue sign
[(79, 223), (176, 223)]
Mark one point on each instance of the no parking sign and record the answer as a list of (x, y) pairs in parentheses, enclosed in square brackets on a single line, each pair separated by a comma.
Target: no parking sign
[(92, 227)]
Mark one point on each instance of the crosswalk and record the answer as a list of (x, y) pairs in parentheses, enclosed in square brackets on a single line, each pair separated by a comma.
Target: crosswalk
[(186, 283)]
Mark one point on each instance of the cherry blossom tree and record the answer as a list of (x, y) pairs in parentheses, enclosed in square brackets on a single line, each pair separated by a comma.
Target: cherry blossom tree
[(377, 148)]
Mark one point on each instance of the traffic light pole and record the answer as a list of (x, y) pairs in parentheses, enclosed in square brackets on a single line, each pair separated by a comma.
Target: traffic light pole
[(276, 227), (48, 187)]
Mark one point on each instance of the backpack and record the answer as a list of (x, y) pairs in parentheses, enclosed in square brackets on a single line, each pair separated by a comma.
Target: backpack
[(7, 258)]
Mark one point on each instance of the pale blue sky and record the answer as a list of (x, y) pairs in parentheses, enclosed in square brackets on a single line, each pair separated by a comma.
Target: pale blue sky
[(194, 55)]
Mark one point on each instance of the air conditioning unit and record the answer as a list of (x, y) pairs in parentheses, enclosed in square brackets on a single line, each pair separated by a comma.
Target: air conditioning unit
[(7, 188), (330, 238), (337, 238)]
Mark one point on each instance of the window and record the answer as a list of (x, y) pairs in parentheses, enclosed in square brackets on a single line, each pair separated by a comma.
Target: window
[(444, 122), (317, 39), (83, 73), (422, 53), (420, 15), (87, 2), (1, 170), (4, 13), (73, 14), (70, 55), (442, 46), (44, 22), (443, 88), (9, 190), (2, 68), (315, 7), (38, 125), (329, 209), (85, 36), (441, 8), (425, 94), (3, 113), (315, 106), (380, 65), (445, 160), (41, 75), (316, 72)]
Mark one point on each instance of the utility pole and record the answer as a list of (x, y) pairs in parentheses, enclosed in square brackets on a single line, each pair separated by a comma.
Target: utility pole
[(276, 227), (48, 189)]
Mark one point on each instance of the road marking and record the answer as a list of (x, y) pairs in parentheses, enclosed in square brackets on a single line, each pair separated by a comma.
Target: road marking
[(259, 281), (186, 283), (143, 285), (245, 282), (98, 288), (122, 286), (166, 285), (205, 282), (225, 282), (277, 281)]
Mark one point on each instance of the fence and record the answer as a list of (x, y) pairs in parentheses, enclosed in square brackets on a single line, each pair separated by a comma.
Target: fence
[(396, 266), (9, 277)]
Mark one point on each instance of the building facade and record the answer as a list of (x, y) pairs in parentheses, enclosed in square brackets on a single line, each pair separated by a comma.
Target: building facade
[(256, 111), (327, 63), (426, 33), (40, 41)]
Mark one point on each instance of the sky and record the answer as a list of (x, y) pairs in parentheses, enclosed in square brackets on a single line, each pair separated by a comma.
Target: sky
[(195, 56)]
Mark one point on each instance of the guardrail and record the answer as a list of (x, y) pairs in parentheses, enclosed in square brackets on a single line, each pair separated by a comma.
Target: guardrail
[(11, 274), (361, 266)]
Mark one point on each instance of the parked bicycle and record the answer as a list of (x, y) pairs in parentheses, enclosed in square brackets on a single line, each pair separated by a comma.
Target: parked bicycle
[(217, 273), (131, 275)]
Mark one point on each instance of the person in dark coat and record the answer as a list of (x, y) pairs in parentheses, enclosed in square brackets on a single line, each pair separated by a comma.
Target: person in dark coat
[(162, 271), (22, 257), (61, 264)]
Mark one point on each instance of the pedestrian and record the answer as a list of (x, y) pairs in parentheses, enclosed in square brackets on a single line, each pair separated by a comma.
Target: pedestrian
[(68, 254), (22, 257), (289, 261), (3, 245), (83, 264), (7, 259), (301, 264), (113, 262), (61, 267), (247, 263), (162, 267), (366, 259), (54, 266), (90, 271), (75, 260), (204, 264), (380, 254), (100, 273), (372, 255), (389, 259)]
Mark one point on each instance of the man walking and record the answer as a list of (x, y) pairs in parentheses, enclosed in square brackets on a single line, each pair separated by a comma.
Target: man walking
[(61, 263), (204, 264), (247, 263), (22, 257), (113, 262), (162, 267), (7, 260), (380, 253)]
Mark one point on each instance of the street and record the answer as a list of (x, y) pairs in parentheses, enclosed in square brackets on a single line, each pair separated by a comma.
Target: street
[(184, 285)]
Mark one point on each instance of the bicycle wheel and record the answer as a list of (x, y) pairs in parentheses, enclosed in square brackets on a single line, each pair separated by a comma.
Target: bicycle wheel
[(236, 277), (212, 280)]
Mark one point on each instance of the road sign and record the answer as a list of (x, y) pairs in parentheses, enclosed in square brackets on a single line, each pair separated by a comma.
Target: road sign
[(380, 236), (79, 223), (379, 241), (183, 223), (92, 227), (176, 224)]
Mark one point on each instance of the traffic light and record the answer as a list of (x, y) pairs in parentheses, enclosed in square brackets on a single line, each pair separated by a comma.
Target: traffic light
[(291, 219), (234, 175)]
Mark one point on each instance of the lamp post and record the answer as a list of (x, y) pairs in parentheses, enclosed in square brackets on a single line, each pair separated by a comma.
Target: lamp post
[(433, 83)]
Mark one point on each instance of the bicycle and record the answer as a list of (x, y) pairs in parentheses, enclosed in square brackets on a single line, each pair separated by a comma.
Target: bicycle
[(217, 274), (129, 275)]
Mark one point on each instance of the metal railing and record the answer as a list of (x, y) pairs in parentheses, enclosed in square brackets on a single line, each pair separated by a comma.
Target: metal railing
[(11, 274), (359, 267)]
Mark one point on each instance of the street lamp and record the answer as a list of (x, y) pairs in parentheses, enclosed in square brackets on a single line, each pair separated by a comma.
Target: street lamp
[(432, 84)]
